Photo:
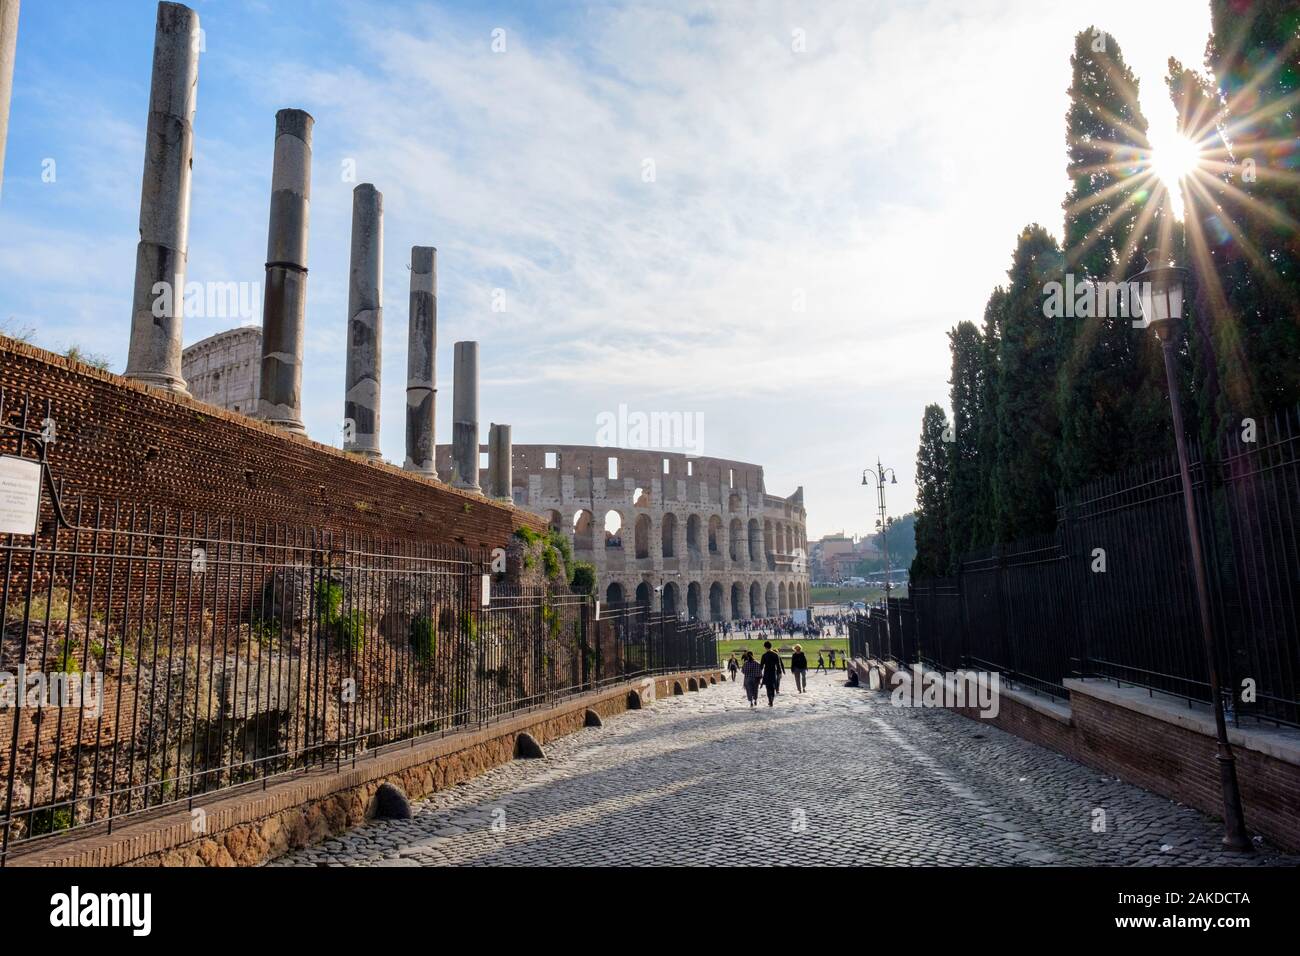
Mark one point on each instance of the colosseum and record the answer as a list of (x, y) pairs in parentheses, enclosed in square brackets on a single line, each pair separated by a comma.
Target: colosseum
[(688, 534)]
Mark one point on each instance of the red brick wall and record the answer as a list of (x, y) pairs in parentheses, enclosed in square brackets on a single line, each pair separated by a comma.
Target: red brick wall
[(120, 439)]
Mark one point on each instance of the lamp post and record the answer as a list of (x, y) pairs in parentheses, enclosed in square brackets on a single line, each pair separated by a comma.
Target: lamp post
[(1162, 295), (879, 473)]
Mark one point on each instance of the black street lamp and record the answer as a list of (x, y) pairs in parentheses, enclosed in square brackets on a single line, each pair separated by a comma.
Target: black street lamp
[(879, 473), (1162, 294)]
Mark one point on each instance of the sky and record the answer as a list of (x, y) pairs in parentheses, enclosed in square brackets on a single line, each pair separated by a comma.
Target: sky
[(763, 215)]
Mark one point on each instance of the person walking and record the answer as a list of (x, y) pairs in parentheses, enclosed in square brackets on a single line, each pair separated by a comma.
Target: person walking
[(772, 667), (832, 659), (821, 663), (799, 665), (732, 666), (752, 672)]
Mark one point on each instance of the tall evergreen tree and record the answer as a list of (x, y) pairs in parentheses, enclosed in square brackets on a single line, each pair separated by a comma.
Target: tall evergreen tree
[(965, 462), (1111, 396), (1200, 115), (983, 531), (1243, 228), (933, 492), (1026, 478)]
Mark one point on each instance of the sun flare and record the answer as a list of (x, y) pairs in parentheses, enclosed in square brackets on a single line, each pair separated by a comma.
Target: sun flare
[(1174, 160)]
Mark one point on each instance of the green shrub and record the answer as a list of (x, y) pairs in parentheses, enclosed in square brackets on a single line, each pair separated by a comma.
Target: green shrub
[(551, 562), (423, 637), (329, 601), (350, 629), (469, 625), (67, 661), (583, 578), (51, 821), (528, 536)]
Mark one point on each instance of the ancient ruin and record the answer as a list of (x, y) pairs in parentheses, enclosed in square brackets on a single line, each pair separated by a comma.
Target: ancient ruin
[(223, 369), (688, 535), (365, 324), (285, 304), (157, 313)]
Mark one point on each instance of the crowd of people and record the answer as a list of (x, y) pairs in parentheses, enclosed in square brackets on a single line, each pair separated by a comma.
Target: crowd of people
[(826, 625)]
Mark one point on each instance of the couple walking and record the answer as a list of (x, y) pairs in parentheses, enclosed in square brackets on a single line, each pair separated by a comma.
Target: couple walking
[(768, 670)]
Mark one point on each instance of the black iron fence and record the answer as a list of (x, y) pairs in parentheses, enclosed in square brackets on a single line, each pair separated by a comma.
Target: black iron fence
[(1111, 593), (149, 657)]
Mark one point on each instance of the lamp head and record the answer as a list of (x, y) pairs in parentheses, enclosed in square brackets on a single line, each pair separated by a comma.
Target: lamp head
[(1162, 292)]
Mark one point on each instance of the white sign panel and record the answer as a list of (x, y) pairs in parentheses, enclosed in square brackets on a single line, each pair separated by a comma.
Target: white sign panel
[(486, 597), (20, 495)]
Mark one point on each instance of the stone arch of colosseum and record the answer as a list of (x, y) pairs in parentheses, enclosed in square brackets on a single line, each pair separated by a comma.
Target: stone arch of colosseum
[(696, 536)]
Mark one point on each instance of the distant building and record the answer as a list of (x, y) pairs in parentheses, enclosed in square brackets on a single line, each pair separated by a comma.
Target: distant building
[(838, 556), (226, 369)]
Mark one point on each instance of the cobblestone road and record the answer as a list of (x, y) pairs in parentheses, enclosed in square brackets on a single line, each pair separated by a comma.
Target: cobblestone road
[(835, 777)]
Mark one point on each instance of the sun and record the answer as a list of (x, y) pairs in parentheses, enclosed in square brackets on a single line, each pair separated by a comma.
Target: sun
[(1174, 160)]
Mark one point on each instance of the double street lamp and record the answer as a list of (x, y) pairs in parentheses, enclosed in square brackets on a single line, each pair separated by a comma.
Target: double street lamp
[(880, 474), (1162, 295)]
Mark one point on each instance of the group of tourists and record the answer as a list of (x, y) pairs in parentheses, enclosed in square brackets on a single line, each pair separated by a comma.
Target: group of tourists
[(767, 671)]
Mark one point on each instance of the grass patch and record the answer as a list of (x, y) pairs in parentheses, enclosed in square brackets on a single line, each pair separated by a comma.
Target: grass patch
[(829, 595), (810, 648)]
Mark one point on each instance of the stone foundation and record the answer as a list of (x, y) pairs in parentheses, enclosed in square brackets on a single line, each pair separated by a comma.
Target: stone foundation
[(250, 827)]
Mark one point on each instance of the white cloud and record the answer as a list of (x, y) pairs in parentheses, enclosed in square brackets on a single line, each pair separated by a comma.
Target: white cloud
[(884, 172)]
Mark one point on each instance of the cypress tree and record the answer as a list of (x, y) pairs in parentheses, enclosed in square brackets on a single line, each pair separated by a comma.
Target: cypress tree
[(933, 492), (1244, 230), (1111, 393), (1028, 435), (983, 531), (965, 463)]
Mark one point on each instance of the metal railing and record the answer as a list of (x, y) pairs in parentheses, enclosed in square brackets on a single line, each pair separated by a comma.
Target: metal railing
[(1111, 593), (161, 656)]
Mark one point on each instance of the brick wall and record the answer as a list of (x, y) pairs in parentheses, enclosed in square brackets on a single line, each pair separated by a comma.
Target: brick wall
[(119, 439)]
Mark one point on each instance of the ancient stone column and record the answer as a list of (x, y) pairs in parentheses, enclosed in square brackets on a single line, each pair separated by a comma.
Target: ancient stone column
[(421, 367), (154, 355), (365, 323), (464, 417), (8, 46), (285, 299), (500, 472)]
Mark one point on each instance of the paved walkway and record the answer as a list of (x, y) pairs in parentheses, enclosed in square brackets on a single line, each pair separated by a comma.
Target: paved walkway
[(837, 776)]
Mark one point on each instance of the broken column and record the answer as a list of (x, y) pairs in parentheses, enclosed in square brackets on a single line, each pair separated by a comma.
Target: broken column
[(285, 300), (365, 323), (8, 47), (421, 349), (500, 474), (157, 313), (464, 417)]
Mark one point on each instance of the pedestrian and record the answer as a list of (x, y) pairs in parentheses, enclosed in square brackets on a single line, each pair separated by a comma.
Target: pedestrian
[(732, 666), (752, 671), (772, 667), (821, 663), (832, 659), (799, 665)]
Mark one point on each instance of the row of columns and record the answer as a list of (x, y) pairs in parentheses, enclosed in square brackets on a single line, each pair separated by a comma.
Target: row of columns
[(154, 355)]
